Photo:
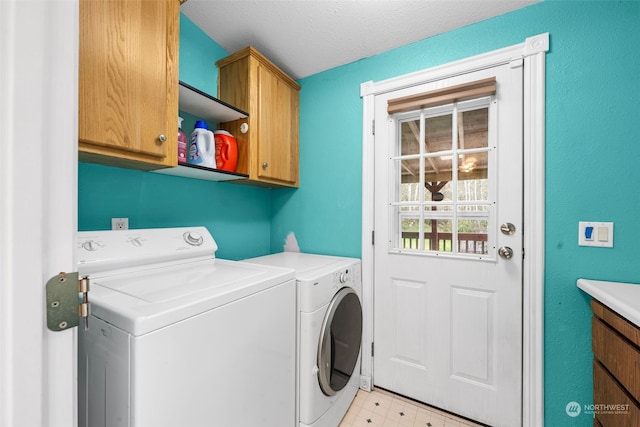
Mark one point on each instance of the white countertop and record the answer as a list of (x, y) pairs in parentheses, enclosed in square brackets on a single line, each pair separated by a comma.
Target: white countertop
[(623, 298)]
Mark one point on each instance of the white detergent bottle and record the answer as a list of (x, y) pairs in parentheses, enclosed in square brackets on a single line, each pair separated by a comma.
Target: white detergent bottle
[(202, 146)]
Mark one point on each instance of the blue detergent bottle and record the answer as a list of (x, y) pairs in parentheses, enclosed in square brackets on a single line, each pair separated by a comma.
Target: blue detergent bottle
[(202, 148)]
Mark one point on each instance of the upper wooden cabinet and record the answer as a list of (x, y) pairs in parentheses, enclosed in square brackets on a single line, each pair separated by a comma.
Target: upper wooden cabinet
[(128, 82), (268, 148)]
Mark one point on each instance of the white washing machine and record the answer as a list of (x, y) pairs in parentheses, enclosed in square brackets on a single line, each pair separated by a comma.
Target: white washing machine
[(177, 337), (329, 333)]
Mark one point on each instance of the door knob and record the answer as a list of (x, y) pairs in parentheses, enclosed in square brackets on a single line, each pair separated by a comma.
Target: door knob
[(505, 252)]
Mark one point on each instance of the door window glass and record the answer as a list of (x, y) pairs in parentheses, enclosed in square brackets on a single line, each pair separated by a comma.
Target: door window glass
[(443, 191)]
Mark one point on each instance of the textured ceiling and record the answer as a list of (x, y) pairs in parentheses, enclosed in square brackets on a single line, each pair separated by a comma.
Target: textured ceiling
[(304, 37)]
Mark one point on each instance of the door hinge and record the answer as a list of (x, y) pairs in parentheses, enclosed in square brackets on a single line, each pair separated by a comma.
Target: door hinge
[(373, 127), (373, 237), (372, 349), (67, 301)]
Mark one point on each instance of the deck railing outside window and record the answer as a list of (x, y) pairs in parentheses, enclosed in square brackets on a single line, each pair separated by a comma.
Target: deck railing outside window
[(471, 243)]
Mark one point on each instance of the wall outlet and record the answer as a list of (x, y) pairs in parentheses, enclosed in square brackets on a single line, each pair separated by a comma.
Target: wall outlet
[(119, 223)]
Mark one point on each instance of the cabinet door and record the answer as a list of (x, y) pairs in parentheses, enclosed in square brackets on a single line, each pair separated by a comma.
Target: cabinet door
[(128, 86), (278, 129)]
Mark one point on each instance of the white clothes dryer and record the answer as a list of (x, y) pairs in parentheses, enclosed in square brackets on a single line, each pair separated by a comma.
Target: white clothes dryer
[(177, 337), (329, 333)]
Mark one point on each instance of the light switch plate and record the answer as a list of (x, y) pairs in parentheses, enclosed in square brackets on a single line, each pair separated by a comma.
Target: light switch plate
[(599, 234)]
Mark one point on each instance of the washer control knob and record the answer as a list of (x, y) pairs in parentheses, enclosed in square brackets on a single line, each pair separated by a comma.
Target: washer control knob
[(91, 245), (193, 238), (136, 241), (343, 277)]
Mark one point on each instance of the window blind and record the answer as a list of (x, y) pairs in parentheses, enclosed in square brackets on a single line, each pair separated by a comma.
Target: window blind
[(476, 89)]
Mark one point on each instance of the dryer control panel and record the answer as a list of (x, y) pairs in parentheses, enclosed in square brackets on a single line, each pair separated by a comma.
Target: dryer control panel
[(347, 276), (314, 294)]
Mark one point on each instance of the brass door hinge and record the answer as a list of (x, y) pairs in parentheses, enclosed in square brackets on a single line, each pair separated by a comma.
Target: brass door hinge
[(67, 301)]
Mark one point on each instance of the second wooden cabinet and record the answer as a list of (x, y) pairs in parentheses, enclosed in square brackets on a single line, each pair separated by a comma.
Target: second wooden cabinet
[(268, 139)]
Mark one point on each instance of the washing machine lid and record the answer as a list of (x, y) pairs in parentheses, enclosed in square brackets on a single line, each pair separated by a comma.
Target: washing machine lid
[(148, 300), (144, 280), (306, 266)]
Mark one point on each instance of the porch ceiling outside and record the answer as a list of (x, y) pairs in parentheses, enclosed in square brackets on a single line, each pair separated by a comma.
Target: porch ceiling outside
[(472, 134)]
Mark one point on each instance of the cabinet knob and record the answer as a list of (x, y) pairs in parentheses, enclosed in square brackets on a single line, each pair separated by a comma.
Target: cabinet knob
[(162, 137), (265, 165)]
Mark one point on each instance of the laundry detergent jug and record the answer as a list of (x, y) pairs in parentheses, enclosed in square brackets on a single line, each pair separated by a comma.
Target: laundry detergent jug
[(182, 143), (202, 147), (226, 151)]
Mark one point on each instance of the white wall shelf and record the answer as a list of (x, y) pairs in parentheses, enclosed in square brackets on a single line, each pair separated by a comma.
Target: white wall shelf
[(201, 172), (205, 107)]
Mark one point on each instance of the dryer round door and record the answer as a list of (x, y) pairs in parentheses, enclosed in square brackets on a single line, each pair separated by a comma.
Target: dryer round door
[(340, 338)]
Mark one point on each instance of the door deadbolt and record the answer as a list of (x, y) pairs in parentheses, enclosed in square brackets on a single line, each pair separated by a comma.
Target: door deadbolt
[(508, 228)]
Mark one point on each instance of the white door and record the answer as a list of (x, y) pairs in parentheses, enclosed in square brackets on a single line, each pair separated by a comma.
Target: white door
[(38, 198), (448, 203)]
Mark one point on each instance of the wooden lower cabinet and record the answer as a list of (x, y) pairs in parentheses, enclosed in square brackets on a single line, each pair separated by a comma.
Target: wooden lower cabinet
[(616, 369)]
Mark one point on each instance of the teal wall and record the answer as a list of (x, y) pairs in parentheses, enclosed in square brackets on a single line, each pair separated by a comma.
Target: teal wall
[(198, 56), (592, 150), (239, 217), (592, 155)]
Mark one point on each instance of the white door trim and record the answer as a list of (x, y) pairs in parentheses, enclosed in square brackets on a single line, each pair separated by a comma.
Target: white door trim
[(38, 197), (532, 52)]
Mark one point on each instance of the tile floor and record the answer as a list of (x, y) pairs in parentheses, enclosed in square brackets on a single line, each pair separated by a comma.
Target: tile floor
[(383, 409)]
